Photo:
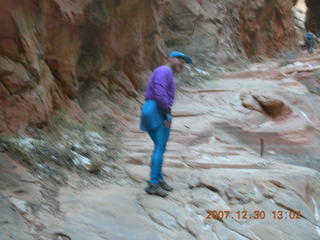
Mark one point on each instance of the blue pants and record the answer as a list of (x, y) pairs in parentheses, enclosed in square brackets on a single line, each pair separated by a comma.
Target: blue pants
[(310, 46), (160, 137)]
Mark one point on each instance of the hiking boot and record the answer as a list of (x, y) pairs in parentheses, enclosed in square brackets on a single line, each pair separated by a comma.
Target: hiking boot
[(165, 186), (156, 189)]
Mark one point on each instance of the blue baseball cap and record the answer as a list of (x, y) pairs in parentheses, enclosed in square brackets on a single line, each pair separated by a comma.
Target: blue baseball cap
[(181, 55)]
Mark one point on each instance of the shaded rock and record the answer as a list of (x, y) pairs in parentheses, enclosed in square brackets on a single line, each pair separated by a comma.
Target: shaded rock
[(11, 223), (21, 205), (295, 204), (311, 80), (60, 236), (205, 199), (184, 236), (138, 173), (225, 233), (16, 181), (199, 232), (312, 19), (163, 219), (248, 101), (105, 216), (243, 192), (41, 72), (273, 107), (299, 12)]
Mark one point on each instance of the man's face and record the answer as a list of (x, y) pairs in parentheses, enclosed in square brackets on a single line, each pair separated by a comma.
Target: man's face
[(177, 64)]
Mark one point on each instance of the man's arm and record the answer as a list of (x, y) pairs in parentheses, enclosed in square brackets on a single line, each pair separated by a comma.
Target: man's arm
[(161, 94), (161, 91)]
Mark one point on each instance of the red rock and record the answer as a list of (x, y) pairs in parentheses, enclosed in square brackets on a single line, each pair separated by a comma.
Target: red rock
[(312, 19), (265, 29), (52, 50), (273, 107), (271, 74)]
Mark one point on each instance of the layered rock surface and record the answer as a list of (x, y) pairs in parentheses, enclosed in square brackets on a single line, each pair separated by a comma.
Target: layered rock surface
[(299, 12), (232, 138), (214, 163), (312, 18), (64, 54)]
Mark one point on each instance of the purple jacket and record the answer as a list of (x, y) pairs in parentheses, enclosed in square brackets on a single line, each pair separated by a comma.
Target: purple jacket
[(161, 87)]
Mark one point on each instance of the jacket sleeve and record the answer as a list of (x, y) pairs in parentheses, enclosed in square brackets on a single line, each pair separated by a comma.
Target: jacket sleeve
[(161, 90)]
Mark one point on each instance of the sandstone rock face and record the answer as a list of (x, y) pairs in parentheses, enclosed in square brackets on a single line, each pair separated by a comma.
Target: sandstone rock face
[(273, 107), (53, 53), (50, 50), (265, 26), (83, 56), (299, 11), (312, 18), (214, 164), (12, 225)]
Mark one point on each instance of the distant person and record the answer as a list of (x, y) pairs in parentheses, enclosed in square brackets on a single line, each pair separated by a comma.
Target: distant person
[(310, 37), (156, 116)]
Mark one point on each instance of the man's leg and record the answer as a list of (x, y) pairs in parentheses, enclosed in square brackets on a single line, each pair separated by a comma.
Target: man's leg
[(165, 138), (160, 138), (309, 46)]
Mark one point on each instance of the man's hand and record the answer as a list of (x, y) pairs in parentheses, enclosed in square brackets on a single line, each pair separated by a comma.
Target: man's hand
[(167, 123), (168, 120)]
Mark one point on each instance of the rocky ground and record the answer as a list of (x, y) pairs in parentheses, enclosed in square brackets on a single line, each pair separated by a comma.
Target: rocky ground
[(240, 142)]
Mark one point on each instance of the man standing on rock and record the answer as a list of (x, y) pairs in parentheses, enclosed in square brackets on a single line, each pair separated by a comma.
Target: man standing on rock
[(156, 116)]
